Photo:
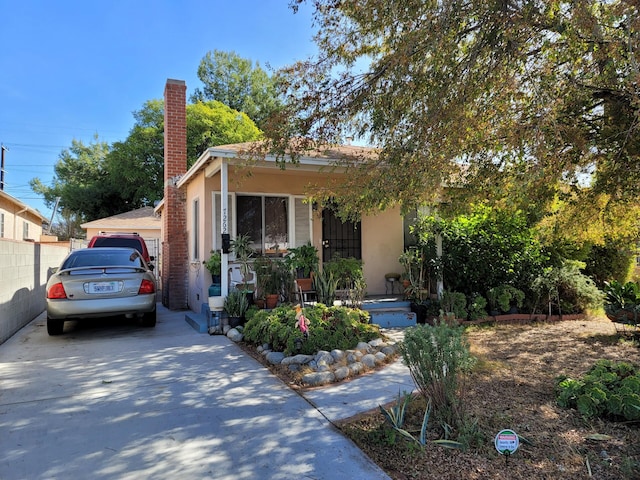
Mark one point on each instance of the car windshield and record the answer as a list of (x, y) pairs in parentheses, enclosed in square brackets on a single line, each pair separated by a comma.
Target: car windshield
[(101, 258)]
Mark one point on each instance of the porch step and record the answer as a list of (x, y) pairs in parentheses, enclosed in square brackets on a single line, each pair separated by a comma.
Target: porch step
[(392, 318), (203, 320), (390, 313)]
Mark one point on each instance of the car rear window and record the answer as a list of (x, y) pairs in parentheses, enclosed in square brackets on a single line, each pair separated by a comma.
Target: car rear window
[(90, 258)]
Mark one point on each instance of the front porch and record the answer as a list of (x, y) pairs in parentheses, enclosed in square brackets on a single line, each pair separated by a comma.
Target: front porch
[(387, 311)]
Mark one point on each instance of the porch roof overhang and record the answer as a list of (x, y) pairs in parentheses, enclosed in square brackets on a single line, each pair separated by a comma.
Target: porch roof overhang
[(211, 161)]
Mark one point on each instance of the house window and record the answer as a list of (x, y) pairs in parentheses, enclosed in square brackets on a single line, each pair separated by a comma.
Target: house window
[(265, 219), (1, 225), (196, 229), (25, 230)]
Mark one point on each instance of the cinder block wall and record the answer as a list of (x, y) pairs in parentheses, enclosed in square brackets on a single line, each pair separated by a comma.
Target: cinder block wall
[(24, 270)]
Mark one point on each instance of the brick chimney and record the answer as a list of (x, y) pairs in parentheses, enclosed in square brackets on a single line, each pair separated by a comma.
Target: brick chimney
[(175, 255)]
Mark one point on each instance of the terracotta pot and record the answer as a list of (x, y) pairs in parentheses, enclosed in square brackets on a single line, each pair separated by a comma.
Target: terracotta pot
[(305, 283), (272, 300)]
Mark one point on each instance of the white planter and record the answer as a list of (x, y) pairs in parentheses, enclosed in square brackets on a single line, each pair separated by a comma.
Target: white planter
[(216, 303)]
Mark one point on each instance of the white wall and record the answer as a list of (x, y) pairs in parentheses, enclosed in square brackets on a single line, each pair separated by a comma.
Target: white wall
[(24, 271)]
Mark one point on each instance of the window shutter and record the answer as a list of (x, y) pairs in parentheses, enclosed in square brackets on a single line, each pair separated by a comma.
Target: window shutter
[(302, 222)]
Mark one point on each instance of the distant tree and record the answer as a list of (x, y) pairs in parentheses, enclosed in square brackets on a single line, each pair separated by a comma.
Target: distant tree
[(80, 180), (67, 226), (98, 181), (236, 82), (136, 164), (514, 102)]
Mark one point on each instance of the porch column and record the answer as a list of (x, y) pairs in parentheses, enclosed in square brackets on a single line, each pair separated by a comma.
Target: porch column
[(224, 223)]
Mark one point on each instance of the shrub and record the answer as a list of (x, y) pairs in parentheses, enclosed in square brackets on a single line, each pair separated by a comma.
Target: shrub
[(329, 328), (437, 357), (505, 297), (607, 390), (347, 271), (477, 307), (567, 289), (485, 248), (454, 302)]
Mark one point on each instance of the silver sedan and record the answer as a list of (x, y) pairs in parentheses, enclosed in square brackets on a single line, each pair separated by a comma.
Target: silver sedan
[(99, 282)]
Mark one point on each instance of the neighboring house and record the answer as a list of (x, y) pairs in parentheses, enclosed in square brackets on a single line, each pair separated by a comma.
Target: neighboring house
[(215, 196), (142, 221), (19, 221)]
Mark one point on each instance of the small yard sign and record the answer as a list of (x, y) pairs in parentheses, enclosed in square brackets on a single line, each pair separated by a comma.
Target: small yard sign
[(506, 442)]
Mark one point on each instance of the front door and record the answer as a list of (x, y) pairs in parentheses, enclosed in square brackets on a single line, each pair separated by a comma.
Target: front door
[(340, 237)]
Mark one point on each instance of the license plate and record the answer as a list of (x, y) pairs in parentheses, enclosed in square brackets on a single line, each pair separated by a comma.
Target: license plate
[(103, 287)]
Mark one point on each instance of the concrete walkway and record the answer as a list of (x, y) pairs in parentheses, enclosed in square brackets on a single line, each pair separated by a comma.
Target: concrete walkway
[(123, 402)]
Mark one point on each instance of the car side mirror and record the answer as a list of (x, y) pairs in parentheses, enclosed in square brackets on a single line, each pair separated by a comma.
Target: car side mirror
[(152, 258)]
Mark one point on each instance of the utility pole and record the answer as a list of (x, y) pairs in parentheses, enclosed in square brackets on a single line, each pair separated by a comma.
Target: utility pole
[(2, 167)]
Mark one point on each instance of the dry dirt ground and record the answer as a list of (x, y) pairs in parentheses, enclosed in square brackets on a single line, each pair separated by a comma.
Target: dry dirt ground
[(512, 387)]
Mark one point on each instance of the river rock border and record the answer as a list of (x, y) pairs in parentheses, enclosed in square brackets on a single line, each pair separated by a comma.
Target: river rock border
[(329, 367)]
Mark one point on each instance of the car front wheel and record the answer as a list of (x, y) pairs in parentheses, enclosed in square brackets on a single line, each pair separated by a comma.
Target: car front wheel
[(54, 327)]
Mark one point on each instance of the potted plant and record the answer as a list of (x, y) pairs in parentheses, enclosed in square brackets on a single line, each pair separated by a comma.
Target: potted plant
[(303, 261), (268, 280), (214, 265), (241, 248), (236, 305), (622, 302)]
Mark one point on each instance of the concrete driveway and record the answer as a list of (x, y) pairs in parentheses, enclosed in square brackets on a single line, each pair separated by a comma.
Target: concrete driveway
[(119, 401)]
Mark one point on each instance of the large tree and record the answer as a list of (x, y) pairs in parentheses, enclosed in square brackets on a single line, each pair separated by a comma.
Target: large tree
[(99, 180), (525, 102), (238, 83), (136, 164)]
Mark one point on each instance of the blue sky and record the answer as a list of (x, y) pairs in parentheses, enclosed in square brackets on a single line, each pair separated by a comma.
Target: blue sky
[(74, 69)]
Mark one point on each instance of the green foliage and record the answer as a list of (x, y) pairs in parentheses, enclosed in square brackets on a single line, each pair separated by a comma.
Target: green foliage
[(242, 250), (236, 304), (272, 276), (477, 307), (619, 295), (213, 123), (438, 356), (236, 82), (213, 264), (536, 98), (100, 180), (504, 297), (330, 328), (484, 249), (420, 267), (325, 284), (454, 302), (81, 180), (355, 294), (613, 260), (395, 414), (347, 270), (622, 302), (607, 390), (303, 258), (567, 289)]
